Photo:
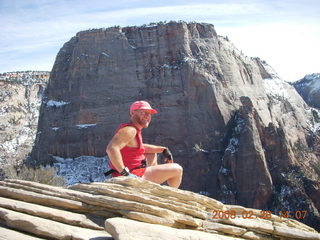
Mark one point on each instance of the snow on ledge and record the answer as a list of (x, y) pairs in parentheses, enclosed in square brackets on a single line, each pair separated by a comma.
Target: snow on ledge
[(277, 87), (83, 169), (52, 103), (80, 126)]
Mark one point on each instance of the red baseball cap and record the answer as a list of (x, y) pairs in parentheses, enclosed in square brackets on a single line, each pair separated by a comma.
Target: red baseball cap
[(142, 105)]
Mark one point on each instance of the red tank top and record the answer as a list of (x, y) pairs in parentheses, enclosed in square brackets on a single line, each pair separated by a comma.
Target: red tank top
[(132, 156)]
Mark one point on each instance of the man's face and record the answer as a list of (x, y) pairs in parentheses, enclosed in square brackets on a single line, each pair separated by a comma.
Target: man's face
[(142, 117)]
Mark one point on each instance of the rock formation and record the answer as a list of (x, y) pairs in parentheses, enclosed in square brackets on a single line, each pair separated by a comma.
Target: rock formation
[(125, 208), (20, 99), (309, 89), (243, 135)]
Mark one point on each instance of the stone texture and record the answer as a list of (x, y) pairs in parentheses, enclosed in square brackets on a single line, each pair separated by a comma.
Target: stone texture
[(231, 230), (127, 208), (47, 229), (294, 233), (8, 234), (242, 135), (238, 160), (20, 99), (49, 213), (125, 229), (256, 236)]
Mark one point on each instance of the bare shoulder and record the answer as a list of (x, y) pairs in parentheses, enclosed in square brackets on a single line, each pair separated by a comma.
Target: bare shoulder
[(128, 132), (123, 137)]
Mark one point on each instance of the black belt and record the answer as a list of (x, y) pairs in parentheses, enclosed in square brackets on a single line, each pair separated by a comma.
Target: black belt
[(143, 165)]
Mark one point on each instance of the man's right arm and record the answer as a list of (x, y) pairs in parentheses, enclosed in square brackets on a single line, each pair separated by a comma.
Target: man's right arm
[(119, 141)]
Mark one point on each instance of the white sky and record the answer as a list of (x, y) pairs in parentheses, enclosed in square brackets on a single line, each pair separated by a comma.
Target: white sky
[(284, 33)]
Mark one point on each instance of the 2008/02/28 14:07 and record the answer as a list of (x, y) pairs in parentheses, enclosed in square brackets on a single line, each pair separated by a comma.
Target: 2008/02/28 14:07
[(219, 214)]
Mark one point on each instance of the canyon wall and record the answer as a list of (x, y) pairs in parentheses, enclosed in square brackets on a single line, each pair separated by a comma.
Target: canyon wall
[(20, 99)]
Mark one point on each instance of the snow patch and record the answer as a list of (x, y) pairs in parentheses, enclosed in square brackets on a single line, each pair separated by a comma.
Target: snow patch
[(13, 145), (316, 127), (52, 103), (313, 122), (233, 145), (276, 88), (169, 66), (83, 169), (226, 191), (151, 25), (188, 59), (223, 170), (133, 47), (80, 126), (204, 193), (105, 54)]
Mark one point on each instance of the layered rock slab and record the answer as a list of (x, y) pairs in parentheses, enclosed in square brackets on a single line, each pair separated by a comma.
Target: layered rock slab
[(8, 234), (125, 229), (46, 228), (120, 205)]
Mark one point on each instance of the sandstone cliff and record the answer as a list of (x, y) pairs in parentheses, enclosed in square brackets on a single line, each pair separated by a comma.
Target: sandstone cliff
[(20, 99), (125, 208), (243, 135)]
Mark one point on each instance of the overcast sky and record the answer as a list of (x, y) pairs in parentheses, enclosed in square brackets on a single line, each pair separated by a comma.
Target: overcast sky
[(284, 33)]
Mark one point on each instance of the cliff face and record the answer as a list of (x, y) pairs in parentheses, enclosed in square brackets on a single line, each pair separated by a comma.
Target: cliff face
[(309, 89), (20, 99), (236, 128)]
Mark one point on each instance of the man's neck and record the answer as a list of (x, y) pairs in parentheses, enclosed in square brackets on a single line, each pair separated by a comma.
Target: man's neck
[(137, 125)]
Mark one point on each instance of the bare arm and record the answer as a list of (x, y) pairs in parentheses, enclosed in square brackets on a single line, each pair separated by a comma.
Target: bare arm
[(153, 148), (119, 141)]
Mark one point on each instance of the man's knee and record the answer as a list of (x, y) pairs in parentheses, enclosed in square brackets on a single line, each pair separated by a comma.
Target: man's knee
[(178, 168)]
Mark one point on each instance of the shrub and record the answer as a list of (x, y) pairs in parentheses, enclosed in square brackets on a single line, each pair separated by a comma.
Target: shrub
[(42, 174)]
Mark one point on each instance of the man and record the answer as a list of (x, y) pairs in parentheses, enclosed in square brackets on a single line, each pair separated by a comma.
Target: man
[(127, 152)]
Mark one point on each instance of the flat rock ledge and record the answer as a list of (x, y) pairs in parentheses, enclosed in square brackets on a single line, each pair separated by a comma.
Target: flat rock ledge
[(124, 208)]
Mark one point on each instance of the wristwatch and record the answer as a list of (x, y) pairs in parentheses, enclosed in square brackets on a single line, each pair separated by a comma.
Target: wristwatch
[(125, 172)]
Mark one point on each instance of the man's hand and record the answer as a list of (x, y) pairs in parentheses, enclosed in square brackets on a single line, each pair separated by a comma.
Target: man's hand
[(132, 175), (168, 158), (125, 172)]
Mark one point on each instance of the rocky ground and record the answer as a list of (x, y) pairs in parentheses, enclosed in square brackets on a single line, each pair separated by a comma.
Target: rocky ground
[(125, 208)]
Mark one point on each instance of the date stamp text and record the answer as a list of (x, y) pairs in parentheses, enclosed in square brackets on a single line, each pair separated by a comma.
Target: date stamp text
[(263, 214)]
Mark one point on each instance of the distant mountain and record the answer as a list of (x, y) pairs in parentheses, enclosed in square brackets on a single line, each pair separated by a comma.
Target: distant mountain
[(309, 88), (20, 98), (242, 135)]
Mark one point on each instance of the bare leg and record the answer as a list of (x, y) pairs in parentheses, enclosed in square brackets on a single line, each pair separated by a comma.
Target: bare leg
[(170, 172), (151, 159)]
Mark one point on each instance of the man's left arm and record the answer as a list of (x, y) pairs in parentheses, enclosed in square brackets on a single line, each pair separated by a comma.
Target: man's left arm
[(153, 148)]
